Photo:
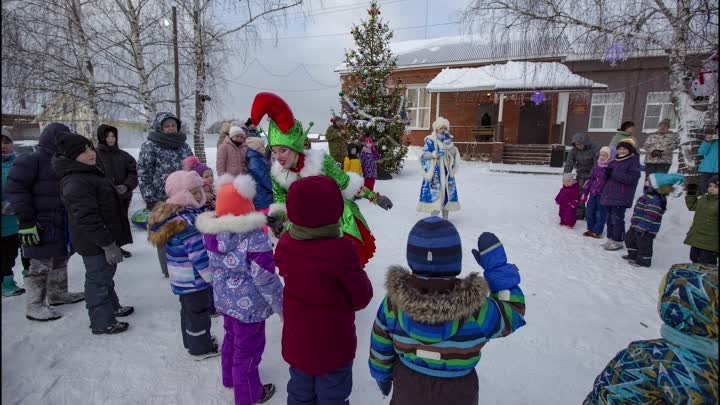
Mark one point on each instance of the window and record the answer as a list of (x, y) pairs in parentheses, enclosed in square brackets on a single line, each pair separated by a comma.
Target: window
[(418, 107), (657, 108), (606, 111)]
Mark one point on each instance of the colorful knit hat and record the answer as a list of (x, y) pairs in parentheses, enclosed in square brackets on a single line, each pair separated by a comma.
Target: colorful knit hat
[(284, 129), (689, 301), (605, 150), (234, 195), (658, 180), (434, 248), (179, 186), (628, 143), (194, 164)]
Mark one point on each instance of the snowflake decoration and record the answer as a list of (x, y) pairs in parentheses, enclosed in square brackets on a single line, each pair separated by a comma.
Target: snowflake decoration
[(380, 126), (614, 54), (538, 98)]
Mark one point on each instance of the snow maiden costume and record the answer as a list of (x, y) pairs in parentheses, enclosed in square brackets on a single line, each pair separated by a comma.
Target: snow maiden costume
[(285, 131), (440, 164)]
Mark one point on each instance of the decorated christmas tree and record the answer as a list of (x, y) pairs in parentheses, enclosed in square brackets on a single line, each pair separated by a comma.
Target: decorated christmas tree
[(372, 104)]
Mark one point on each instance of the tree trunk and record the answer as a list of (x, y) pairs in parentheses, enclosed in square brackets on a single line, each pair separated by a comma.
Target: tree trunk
[(87, 69), (133, 16), (688, 118), (200, 76)]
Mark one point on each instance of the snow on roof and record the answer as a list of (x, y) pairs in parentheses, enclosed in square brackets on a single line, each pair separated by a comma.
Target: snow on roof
[(510, 76), (475, 49)]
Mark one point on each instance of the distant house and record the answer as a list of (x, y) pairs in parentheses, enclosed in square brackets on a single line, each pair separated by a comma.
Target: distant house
[(19, 117), (131, 125), (532, 92)]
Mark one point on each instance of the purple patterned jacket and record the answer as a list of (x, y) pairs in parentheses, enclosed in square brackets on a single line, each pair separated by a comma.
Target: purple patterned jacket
[(245, 284), (369, 159)]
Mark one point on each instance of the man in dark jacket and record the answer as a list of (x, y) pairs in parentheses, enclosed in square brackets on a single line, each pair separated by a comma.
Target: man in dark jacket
[(33, 190), (98, 227), (582, 157), (119, 166)]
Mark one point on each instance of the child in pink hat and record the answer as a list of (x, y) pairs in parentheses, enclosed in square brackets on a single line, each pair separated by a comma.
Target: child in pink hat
[(172, 225)]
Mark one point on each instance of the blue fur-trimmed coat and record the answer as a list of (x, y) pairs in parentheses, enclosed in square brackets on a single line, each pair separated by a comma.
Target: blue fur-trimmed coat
[(439, 162)]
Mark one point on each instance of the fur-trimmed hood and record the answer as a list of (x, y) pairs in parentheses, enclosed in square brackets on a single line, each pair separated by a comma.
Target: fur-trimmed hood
[(435, 306), (208, 223), (164, 223)]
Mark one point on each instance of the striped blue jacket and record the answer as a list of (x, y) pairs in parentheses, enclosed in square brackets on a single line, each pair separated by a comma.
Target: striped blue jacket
[(187, 259), (439, 335), (648, 211)]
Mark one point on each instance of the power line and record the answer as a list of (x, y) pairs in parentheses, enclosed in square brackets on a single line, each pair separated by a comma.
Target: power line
[(347, 33)]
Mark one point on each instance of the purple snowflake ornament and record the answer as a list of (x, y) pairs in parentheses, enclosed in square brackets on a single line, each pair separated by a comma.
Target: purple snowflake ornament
[(614, 54), (538, 98)]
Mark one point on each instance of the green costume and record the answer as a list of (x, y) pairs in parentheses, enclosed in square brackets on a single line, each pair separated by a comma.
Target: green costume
[(316, 163)]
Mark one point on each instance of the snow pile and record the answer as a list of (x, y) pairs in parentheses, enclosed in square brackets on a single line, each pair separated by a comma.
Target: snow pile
[(583, 305), (510, 76)]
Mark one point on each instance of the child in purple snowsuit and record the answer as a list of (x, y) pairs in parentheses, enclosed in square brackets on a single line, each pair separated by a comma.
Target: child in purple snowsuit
[(369, 157), (568, 199), (595, 213), (247, 289)]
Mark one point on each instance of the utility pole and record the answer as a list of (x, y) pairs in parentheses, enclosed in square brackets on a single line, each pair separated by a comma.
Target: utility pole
[(177, 62), (426, 17)]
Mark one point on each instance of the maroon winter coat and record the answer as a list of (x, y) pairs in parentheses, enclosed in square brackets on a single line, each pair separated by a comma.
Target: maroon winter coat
[(567, 199), (324, 286)]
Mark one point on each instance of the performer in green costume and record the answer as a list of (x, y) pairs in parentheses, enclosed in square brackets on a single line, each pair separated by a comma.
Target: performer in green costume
[(292, 162)]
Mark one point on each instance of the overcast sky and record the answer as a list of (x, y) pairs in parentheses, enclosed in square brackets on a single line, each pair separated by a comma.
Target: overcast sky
[(313, 93)]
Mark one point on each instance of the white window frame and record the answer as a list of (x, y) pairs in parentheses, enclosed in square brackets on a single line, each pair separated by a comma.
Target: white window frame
[(664, 106), (607, 127), (417, 107)]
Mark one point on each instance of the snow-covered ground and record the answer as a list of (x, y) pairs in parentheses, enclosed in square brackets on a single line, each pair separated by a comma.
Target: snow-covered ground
[(583, 305)]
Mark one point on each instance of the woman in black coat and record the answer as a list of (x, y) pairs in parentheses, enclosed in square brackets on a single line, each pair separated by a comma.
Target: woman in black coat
[(119, 166)]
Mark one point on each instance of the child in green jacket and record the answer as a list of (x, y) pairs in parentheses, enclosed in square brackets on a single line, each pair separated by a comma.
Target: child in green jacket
[(703, 234)]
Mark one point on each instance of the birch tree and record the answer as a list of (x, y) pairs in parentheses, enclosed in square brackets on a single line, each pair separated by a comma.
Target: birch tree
[(207, 42), (675, 27)]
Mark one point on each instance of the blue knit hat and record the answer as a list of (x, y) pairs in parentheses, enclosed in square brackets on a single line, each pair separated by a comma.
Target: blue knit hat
[(434, 248)]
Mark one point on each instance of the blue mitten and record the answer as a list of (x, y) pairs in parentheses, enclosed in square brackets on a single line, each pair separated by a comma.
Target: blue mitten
[(490, 255)]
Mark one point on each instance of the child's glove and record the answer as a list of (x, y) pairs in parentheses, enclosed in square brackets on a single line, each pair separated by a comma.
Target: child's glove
[(385, 387), (121, 189), (584, 198), (490, 255), (276, 224), (384, 202), (113, 254), (29, 236)]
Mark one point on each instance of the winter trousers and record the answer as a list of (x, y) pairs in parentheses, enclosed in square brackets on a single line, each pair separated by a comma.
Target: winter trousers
[(370, 184), (413, 388), (581, 207), (704, 182), (241, 353), (616, 223), (639, 245), (162, 258), (330, 389), (195, 322), (54, 271), (651, 168), (10, 245), (100, 297), (568, 216), (702, 256), (595, 215)]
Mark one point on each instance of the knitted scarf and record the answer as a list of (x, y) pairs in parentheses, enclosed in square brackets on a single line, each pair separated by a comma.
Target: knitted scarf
[(172, 141), (298, 232)]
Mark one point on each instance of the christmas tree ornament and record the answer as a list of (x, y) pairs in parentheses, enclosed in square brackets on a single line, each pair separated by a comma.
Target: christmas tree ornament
[(614, 54), (537, 98)]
